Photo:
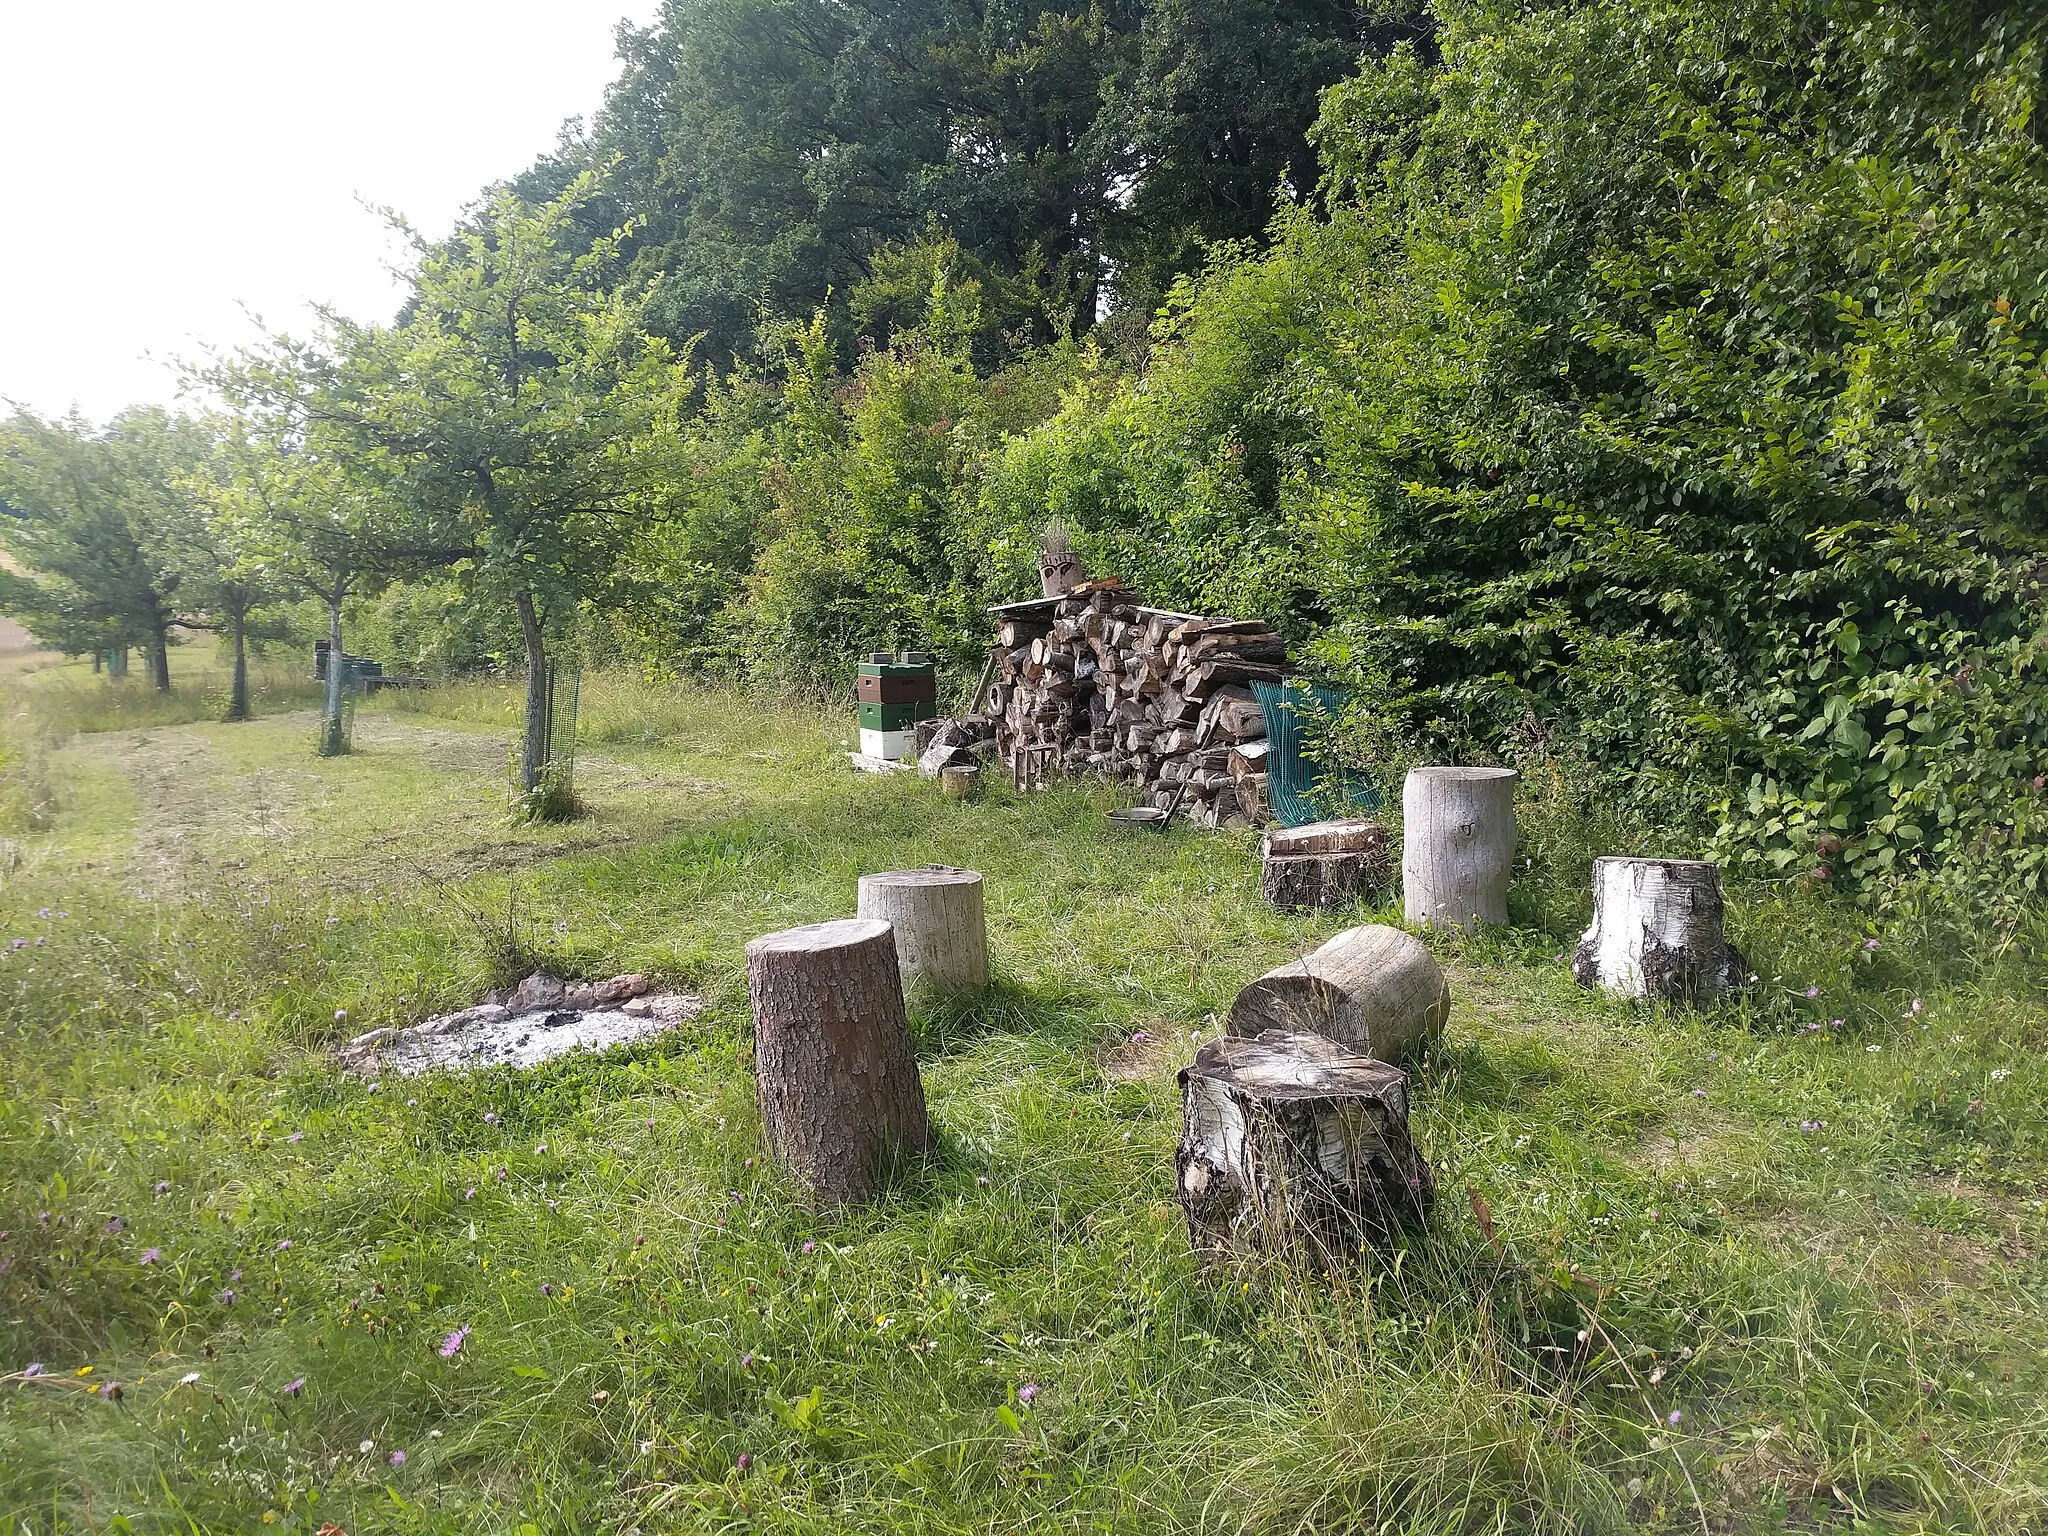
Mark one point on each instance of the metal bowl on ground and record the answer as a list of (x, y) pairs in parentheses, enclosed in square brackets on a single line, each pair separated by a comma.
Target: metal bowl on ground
[(1138, 816)]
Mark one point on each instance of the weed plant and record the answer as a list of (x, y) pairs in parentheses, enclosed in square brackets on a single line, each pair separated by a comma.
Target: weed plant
[(1771, 1266)]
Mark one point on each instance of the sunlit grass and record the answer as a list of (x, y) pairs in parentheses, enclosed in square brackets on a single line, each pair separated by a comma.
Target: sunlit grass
[(1818, 1248)]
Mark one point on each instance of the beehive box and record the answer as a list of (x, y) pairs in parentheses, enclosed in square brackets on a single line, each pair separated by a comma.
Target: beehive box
[(895, 692)]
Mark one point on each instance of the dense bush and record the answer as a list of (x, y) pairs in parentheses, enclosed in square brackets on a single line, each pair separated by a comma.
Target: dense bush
[(1662, 381)]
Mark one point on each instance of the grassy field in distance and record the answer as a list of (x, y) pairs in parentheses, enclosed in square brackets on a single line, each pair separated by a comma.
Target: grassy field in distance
[(1776, 1266)]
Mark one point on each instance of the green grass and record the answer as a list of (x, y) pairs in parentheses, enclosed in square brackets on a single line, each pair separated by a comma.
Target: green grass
[(1846, 1318)]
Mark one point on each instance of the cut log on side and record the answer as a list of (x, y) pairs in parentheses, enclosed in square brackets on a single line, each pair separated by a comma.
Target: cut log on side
[(834, 1069), (941, 928), (1458, 845), (1375, 990), (1656, 932), (1290, 1144)]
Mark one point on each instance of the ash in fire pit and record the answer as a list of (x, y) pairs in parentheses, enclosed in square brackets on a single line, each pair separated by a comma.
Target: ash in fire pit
[(540, 1019)]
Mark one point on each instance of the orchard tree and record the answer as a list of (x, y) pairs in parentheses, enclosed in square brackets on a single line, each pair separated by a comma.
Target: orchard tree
[(94, 523), (496, 409)]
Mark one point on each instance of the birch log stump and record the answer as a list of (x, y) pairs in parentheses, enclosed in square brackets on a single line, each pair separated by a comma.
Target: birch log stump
[(835, 1074), (1375, 990), (941, 927), (1458, 845), (1656, 932), (1291, 1143)]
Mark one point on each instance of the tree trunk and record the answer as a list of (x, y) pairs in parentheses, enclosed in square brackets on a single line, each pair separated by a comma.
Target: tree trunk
[(331, 741), (238, 693), (95, 663), (1374, 990), (835, 1073), (160, 658), (1458, 845), (941, 929), (1657, 932), (533, 743), (1291, 1144)]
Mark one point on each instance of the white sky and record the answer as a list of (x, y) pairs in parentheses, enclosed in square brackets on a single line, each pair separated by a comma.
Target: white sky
[(163, 164)]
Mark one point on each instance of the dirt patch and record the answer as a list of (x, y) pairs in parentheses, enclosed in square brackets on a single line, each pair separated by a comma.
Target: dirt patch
[(1142, 1055)]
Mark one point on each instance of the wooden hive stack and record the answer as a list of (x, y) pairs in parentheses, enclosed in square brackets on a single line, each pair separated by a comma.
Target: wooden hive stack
[(896, 690), (1136, 693)]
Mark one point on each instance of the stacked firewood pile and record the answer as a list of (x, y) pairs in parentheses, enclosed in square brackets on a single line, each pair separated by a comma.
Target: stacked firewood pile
[(1101, 684)]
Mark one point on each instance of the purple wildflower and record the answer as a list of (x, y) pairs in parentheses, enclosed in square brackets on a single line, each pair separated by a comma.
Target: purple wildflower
[(234, 1275), (1139, 1037), (412, 1103), (541, 1150), (397, 1458), (735, 1195), (1027, 1392), (469, 1193), (163, 1186), (1869, 945), (1675, 1417), (18, 944), (546, 1289), (747, 1361), (981, 1181), (294, 1387), (115, 1224), (490, 1117), (296, 1136), (745, 1462), (1918, 1007), (341, 1015), (809, 1246), (1813, 991), (1699, 1093), (111, 1391), (283, 1243), (452, 1345), (33, 1368), (151, 1255), (225, 1298)]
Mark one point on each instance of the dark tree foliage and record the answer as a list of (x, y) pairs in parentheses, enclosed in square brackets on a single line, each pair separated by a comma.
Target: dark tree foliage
[(774, 151)]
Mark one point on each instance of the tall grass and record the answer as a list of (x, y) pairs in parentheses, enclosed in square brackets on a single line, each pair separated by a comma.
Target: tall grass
[(73, 700), (1736, 1273)]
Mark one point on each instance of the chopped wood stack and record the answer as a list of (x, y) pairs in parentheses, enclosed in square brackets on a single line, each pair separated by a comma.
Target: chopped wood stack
[(1130, 692)]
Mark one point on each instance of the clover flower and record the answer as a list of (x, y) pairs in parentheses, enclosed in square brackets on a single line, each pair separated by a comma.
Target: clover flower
[(745, 1462)]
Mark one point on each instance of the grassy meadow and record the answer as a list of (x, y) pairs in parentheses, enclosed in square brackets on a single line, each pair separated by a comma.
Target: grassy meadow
[(1774, 1267)]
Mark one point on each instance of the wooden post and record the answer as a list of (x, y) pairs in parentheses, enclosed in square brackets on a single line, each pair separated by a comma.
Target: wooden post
[(1375, 990), (1656, 932), (941, 928), (1291, 1143), (835, 1073), (1458, 845)]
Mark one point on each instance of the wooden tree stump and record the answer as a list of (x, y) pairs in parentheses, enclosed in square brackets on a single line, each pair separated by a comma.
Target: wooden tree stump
[(1323, 865), (941, 928), (1292, 1144), (1656, 932), (960, 782), (1458, 845), (835, 1073), (1374, 990)]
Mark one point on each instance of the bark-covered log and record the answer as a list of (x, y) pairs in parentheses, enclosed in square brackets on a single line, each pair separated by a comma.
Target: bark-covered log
[(1319, 882), (941, 928), (1458, 845), (1656, 932), (835, 1072), (1291, 1144), (1374, 989)]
